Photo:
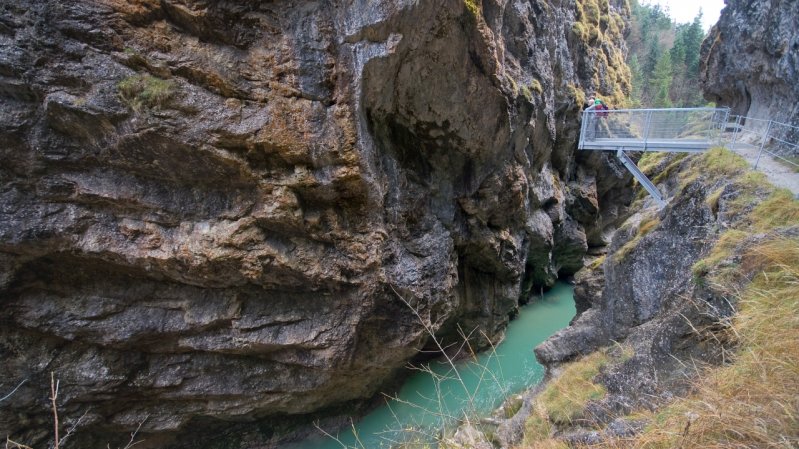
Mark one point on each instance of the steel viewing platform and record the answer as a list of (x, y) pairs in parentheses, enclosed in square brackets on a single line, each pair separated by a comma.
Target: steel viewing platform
[(680, 130)]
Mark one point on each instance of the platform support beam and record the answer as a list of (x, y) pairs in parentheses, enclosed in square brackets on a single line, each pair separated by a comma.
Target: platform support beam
[(641, 177)]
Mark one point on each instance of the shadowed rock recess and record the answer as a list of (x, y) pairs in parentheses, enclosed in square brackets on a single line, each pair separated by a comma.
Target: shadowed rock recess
[(209, 208), (750, 60)]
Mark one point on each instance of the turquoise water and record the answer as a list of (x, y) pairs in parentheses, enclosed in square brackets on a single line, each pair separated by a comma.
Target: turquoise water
[(429, 401)]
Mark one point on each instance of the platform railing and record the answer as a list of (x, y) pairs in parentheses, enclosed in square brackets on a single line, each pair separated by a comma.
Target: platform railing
[(777, 139), (675, 129)]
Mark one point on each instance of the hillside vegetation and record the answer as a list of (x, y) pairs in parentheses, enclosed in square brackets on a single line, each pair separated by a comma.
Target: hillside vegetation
[(750, 399), (663, 58)]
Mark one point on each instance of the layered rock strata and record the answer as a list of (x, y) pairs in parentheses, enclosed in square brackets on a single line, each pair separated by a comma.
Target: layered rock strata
[(216, 212)]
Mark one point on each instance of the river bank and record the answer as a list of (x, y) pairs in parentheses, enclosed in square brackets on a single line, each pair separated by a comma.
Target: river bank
[(439, 397)]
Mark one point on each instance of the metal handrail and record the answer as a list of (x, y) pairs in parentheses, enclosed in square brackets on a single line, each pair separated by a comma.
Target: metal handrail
[(670, 130), (673, 129), (768, 136), (664, 109)]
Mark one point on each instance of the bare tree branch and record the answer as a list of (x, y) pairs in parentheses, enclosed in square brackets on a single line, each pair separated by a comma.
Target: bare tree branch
[(16, 445), (73, 427), (131, 443), (53, 396), (13, 391)]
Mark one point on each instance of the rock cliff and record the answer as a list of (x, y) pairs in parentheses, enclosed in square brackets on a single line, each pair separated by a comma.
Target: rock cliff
[(209, 210), (646, 273), (750, 60), (650, 309), (656, 309)]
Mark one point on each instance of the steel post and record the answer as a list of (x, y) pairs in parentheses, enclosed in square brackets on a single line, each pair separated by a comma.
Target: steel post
[(722, 126), (738, 120), (581, 143), (763, 143), (647, 124)]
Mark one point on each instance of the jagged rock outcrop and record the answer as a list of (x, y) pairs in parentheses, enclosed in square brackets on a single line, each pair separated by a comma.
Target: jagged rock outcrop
[(648, 304), (209, 210), (643, 293), (655, 318), (750, 60), (646, 275)]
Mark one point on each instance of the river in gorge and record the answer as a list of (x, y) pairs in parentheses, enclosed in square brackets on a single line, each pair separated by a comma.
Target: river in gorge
[(437, 396)]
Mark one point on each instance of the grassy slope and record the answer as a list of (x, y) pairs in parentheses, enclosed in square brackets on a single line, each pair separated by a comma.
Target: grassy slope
[(754, 400)]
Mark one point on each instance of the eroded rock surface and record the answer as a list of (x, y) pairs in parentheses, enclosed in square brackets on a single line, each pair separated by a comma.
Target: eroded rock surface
[(646, 307), (750, 60), (209, 210)]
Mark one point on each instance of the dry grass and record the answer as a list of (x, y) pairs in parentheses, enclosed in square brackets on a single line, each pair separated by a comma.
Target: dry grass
[(721, 162), (547, 444), (750, 186), (779, 209), (566, 396), (650, 160), (724, 248), (597, 262), (646, 226), (712, 200), (714, 164), (675, 163), (538, 427), (473, 6), (754, 402), (538, 432), (146, 91)]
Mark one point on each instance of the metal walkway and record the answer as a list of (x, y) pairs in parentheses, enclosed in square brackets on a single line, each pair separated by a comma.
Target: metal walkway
[(683, 130)]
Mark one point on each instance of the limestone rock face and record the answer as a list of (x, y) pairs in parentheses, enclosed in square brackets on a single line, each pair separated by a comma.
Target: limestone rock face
[(209, 210), (643, 280), (643, 304), (750, 60)]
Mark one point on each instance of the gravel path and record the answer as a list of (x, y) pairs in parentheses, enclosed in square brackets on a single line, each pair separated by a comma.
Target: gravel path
[(777, 173)]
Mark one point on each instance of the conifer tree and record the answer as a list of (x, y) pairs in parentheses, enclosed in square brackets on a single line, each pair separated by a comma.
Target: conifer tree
[(637, 91), (661, 82), (652, 35)]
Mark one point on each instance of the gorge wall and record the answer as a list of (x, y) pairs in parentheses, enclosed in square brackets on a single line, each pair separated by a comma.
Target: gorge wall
[(209, 210), (656, 307), (750, 60)]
